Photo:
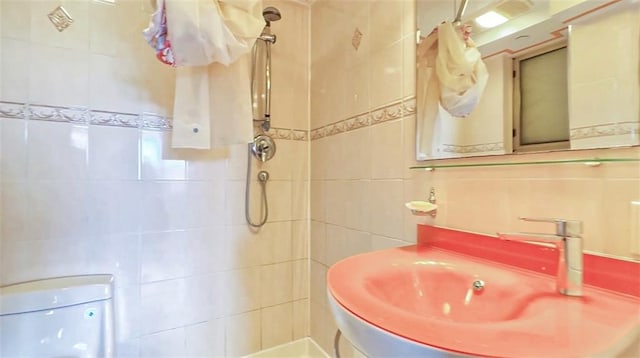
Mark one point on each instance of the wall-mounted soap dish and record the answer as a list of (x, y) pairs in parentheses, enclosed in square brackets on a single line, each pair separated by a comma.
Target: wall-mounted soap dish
[(421, 208)]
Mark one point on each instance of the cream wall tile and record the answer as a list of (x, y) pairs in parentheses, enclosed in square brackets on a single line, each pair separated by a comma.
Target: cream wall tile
[(169, 343), (242, 334), (58, 210), (279, 200), (280, 166), (317, 206), (359, 146), (300, 279), (464, 198), (300, 239), (110, 88), (318, 158), (118, 255), (300, 161), (384, 19), (34, 259), (114, 207), (244, 246), (336, 243), (14, 146), (205, 204), (16, 215), (235, 199), (15, 70), (207, 164), (276, 242), (386, 208), (292, 31), (237, 162), (57, 151), (109, 159), (357, 200), (387, 150), (299, 200), (75, 36), (408, 63), (203, 298), (618, 196), (381, 243), (58, 76), (318, 277), (290, 86), (104, 29), (205, 339), (155, 82), (162, 306), (277, 325), (209, 250), (126, 304), (357, 91), (300, 319), (336, 198), (163, 256), (318, 242), (15, 22), (386, 74), (242, 290), (323, 327), (163, 205), (158, 161), (277, 284)]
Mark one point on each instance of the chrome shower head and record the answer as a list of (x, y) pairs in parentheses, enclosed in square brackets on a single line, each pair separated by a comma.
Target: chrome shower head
[(271, 14)]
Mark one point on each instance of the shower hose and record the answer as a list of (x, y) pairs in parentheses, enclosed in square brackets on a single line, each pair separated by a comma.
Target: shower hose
[(264, 207)]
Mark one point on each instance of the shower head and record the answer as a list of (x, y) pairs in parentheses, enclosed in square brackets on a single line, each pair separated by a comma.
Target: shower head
[(271, 14)]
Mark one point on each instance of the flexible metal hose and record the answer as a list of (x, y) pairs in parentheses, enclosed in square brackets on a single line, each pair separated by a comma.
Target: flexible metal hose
[(264, 206)]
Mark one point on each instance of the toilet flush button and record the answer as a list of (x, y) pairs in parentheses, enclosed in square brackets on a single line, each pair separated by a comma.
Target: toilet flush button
[(90, 313)]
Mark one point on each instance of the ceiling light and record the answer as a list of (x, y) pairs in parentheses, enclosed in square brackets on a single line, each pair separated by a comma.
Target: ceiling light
[(490, 19)]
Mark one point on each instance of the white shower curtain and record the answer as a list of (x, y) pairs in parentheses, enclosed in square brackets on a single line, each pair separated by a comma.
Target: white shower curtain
[(211, 41)]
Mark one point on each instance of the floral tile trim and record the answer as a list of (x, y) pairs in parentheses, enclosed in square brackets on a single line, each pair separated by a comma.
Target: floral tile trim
[(83, 115), (289, 134), (605, 130), (475, 148), (396, 110)]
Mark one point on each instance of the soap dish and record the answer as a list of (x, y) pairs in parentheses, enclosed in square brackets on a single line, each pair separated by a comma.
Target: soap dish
[(421, 208)]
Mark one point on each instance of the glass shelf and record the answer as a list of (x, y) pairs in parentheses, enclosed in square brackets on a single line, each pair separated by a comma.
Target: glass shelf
[(592, 162)]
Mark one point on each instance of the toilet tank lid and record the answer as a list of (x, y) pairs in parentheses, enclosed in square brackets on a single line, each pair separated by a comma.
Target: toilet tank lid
[(54, 293)]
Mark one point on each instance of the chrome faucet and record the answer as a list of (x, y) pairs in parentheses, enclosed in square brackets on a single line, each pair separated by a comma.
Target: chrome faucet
[(568, 242)]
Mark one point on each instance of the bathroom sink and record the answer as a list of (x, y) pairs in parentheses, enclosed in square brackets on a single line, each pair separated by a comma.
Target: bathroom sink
[(420, 300), (444, 290)]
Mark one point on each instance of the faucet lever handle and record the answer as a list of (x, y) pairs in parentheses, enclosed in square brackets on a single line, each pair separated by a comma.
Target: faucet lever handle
[(564, 228)]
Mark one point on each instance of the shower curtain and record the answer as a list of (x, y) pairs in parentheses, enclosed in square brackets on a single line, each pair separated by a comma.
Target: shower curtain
[(210, 41)]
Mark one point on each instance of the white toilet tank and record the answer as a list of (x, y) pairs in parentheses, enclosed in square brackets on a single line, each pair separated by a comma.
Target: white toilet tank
[(58, 317)]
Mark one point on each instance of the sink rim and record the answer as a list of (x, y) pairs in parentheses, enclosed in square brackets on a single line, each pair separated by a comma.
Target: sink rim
[(426, 331)]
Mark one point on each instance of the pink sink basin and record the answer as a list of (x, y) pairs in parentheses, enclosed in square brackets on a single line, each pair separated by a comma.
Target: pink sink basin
[(425, 296)]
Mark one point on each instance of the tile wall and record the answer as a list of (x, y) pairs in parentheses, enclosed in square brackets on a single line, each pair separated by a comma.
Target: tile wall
[(613, 119), (90, 185), (362, 143)]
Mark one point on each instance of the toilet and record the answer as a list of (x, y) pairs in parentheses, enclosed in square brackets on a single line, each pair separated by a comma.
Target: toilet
[(58, 317)]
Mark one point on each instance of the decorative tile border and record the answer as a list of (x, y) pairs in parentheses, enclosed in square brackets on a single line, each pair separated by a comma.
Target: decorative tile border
[(83, 115), (474, 148), (289, 134), (605, 130), (396, 110)]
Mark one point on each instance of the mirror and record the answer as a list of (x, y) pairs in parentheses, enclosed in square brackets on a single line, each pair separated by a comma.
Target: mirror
[(601, 63)]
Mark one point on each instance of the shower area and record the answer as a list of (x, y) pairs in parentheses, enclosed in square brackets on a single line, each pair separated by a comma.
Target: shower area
[(89, 183)]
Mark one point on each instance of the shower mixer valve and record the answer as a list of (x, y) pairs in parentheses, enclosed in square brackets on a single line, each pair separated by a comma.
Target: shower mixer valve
[(263, 147)]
